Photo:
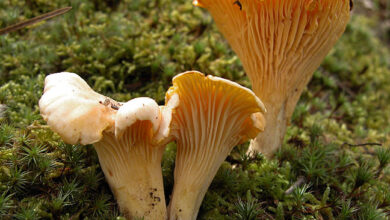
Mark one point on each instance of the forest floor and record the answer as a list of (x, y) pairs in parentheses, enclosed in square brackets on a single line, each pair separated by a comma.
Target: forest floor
[(337, 146)]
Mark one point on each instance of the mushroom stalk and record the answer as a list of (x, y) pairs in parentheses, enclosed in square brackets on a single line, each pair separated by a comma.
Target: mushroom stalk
[(213, 116), (193, 180), (133, 171), (271, 138), (280, 44)]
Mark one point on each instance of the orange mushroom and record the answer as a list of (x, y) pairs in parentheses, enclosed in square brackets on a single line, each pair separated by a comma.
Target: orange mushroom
[(213, 116), (280, 44)]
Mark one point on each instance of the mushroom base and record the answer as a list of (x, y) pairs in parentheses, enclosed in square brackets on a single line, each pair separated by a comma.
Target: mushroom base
[(186, 206), (134, 175), (277, 120), (193, 176)]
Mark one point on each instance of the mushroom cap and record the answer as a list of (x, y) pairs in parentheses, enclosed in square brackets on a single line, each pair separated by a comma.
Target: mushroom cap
[(73, 110), (80, 115), (141, 109), (146, 110), (213, 95), (167, 112)]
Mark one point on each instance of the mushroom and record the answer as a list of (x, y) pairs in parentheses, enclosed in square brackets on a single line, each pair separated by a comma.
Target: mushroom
[(213, 116), (129, 139), (280, 44)]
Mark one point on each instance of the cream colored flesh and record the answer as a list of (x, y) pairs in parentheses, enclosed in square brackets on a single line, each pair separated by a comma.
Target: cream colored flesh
[(129, 139), (133, 171)]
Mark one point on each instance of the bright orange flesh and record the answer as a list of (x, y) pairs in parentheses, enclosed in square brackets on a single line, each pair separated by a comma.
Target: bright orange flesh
[(280, 44)]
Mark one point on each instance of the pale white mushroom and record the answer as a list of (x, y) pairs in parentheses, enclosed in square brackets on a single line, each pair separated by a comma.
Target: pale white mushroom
[(280, 44), (129, 139), (213, 116)]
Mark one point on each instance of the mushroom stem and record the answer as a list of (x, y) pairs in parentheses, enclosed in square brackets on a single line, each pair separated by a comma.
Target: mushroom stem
[(278, 118), (189, 190), (271, 139), (133, 171)]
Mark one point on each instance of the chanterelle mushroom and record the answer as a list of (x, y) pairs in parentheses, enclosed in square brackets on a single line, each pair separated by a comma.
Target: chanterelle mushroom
[(129, 139), (213, 116), (280, 44)]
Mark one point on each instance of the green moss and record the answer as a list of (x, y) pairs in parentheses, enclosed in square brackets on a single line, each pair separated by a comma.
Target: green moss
[(133, 48)]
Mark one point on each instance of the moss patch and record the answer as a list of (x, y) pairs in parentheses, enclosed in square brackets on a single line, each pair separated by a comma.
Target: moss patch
[(337, 142)]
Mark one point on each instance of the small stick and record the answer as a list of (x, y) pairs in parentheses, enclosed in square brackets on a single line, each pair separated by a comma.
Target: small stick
[(364, 145), (34, 20), (297, 183), (361, 145)]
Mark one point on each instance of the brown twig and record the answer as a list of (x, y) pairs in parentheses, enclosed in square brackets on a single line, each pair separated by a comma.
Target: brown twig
[(34, 20), (362, 145), (297, 183)]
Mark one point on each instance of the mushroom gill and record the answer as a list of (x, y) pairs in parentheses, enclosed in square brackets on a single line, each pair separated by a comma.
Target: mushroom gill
[(213, 116), (280, 44), (129, 139)]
